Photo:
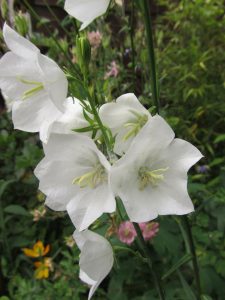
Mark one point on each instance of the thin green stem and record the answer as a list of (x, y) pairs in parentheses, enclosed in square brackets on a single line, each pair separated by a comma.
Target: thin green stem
[(131, 21), (147, 254), (56, 18), (191, 245), (151, 53)]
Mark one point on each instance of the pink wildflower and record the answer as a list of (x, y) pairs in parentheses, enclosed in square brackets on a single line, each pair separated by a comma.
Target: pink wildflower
[(126, 232), (149, 230), (113, 70), (95, 39)]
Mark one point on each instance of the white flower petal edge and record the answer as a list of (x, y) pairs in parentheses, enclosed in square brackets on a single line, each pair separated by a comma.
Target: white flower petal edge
[(35, 84), (72, 118), (151, 178), (96, 258), (86, 10), (125, 118), (74, 175)]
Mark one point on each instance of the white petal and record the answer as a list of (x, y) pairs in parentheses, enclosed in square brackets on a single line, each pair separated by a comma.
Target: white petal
[(54, 81), (89, 205), (56, 179), (72, 118), (18, 44), (116, 115), (96, 258), (86, 10), (31, 114)]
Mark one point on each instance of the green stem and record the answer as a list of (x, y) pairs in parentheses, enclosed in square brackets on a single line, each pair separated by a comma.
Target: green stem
[(56, 18), (191, 247), (131, 20), (147, 254), (151, 53)]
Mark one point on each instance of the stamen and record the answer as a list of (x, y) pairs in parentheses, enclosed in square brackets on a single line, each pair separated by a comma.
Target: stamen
[(91, 179), (135, 126), (38, 86), (147, 177)]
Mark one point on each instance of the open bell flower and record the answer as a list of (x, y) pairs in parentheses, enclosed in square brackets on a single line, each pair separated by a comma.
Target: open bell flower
[(96, 258), (74, 175), (125, 118), (151, 178), (86, 11), (34, 82)]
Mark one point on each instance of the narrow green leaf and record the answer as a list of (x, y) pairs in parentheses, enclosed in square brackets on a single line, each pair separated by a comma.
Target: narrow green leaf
[(187, 289), (16, 210), (186, 258)]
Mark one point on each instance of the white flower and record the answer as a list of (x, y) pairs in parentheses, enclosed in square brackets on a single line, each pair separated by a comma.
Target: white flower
[(34, 82), (125, 118), (74, 176), (151, 178), (96, 258), (86, 10), (72, 118)]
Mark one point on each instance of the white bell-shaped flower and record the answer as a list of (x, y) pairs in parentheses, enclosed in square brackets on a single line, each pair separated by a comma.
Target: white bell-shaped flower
[(125, 118), (74, 175), (34, 82), (96, 258), (86, 11), (151, 178)]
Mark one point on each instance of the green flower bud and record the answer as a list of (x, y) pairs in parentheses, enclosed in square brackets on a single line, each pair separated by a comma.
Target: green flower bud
[(83, 53), (21, 24)]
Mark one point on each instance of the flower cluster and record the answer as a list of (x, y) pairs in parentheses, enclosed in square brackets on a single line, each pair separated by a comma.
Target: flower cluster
[(146, 166), (44, 265)]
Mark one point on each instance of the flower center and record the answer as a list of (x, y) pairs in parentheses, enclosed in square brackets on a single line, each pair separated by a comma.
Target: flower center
[(135, 126), (37, 87), (93, 178), (151, 177)]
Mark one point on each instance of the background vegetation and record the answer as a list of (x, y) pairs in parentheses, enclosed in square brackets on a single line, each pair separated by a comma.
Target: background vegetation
[(190, 43)]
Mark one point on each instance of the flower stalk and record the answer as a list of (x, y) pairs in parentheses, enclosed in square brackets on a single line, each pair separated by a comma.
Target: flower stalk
[(191, 249), (151, 53), (147, 254)]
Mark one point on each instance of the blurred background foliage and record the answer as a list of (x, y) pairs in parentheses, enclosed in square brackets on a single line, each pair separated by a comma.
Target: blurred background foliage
[(190, 43)]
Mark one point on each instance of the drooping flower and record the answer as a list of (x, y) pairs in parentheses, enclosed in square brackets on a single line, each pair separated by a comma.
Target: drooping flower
[(96, 258), (86, 11), (34, 82), (43, 268), (126, 232), (38, 250), (151, 178), (149, 230), (113, 70), (74, 176), (95, 39), (125, 118)]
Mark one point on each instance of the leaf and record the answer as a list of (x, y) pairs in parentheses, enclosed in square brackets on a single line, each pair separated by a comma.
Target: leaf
[(219, 138), (16, 210), (186, 258), (3, 185), (187, 289)]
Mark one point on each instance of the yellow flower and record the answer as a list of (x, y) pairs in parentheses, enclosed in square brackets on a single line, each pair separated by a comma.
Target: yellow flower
[(37, 251), (43, 268)]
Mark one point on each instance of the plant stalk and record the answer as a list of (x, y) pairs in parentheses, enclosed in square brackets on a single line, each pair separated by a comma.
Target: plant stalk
[(147, 254), (191, 247), (151, 53)]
